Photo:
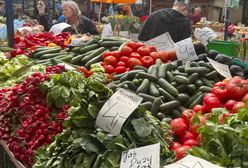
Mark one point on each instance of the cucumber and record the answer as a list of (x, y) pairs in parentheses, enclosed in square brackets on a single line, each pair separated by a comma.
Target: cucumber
[(193, 98), (205, 89), (194, 64), (122, 84), (181, 68), (158, 63), (169, 76), (77, 59), (47, 51), (191, 89), (111, 43), (187, 65), (138, 67), (166, 95), (114, 48), (205, 64), (95, 59), (169, 105), (193, 77), (147, 105), (198, 83), (182, 88), (93, 55), (167, 120), (183, 98), (153, 90), (206, 82), (131, 86), (88, 48), (173, 65), (144, 86), (198, 100), (162, 71), (39, 49), (111, 39), (175, 113), (145, 75), (212, 75), (160, 116), (118, 76), (181, 80), (112, 86), (153, 70), (131, 74), (174, 84), (76, 49), (199, 70), (168, 87), (156, 105), (47, 56), (136, 81), (90, 42), (179, 73), (124, 78), (147, 97), (66, 58)]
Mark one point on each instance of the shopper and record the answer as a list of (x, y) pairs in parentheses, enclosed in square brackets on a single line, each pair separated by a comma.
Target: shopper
[(197, 15), (169, 20), (42, 17), (79, 23)]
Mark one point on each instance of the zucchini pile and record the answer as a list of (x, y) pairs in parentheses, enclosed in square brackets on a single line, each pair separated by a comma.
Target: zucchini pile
[(167, 89)]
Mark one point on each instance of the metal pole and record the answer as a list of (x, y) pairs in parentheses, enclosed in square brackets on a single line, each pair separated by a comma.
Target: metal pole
[(10, 21), (150, 6), (227, 18), (88, 9), (48, 12), (23, 9), (100, 11)]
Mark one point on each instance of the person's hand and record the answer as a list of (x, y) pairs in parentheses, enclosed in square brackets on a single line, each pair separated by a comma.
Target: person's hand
[(41, 7)]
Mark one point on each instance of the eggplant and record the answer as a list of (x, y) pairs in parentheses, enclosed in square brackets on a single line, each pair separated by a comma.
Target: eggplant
[(221, 58), (237, 70), (212, 54), (200, 49), (203, 57)]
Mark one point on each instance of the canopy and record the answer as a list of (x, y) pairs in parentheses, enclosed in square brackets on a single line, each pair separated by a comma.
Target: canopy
[(115, 1)]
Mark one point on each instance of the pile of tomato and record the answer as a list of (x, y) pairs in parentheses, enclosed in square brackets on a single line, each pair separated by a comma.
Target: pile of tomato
[(133, 54)]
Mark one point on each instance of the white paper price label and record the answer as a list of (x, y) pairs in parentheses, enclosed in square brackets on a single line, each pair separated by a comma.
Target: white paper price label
[(185, 50), (205, 35), (58, 28), (221, 68), (146, 157), (107, 30), (116, 110), (162, 42), (192, 162)]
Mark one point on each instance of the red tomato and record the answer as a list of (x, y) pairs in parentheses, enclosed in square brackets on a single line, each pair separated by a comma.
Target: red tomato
[(196, 122), (245, 98), (208, 95), (140, 44), (104, 55), (198, 138), (175, 145), (110, 60), (102, 64), (132, 62), (83, 70), (124, 59), (125, 50), (190, 142), (164, 56), (116, 54), (181, 151), (172, 55), (143, 51), (147, 61), (135, 55), (187, 114), (155, 55), (186, 136), (121, 63), (237, 88), (133, 45), (237, 106), (229, 104), (109, 69), (178, 126), (220, 91), (199, 109), (152, 48), (210, 103), (120, 69)]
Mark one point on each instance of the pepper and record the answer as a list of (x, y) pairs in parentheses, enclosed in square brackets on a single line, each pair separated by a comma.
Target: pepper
[(16, 52), (29, 43), (20, 45)]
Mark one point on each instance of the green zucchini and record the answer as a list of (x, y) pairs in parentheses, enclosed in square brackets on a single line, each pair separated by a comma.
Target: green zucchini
[(166, 95), (206, 82), (205, 89), (162, 71), (147, 105), (93, 55), (147, 97), (88, 48), (95, 59), (181, 80), (76, 60), (169, 105), (111, 43), (168, 87), (144, 86), (156, 105), (145, 75), (193, 77), (90, 42), (169, 76), (153, 90), (47, 51), (183, 98), (52, 55), (66, 58), (76, 49), (198, 100)]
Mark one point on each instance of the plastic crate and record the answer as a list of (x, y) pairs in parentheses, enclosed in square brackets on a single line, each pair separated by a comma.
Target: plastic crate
[(225, 47)]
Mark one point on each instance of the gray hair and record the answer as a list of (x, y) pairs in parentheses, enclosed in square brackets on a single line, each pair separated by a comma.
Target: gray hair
[(74, 6), (179, 3)]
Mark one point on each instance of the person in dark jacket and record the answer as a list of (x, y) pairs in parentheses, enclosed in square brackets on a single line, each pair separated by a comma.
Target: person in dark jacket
[(173, 21)]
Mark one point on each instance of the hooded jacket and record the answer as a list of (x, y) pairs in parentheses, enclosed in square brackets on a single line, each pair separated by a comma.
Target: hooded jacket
[(166, 20)]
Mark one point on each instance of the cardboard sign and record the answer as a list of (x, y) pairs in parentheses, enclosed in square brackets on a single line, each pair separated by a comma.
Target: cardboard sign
[(192, 162), (147, 156), (185, 50), (221, 68), (58, 28), (162, 42), (107, 30), (116, 110), (205, 35)]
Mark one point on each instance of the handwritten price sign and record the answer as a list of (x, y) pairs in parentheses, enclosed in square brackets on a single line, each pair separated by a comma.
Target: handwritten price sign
[(116, 110), (162, 42), (185, 50), (205, 35), (221, 68), (146, 157)]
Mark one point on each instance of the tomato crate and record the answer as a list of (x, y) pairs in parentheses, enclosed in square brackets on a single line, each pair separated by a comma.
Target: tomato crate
[(225, 47)]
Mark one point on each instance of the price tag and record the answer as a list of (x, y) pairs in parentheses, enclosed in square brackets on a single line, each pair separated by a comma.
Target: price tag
[(107, 30), (146, 157), (58, 28), (185, 50), (162, 42), (67, 67), (205, 35), (246, 35), (192, 162), (116, 110), (221, 68)]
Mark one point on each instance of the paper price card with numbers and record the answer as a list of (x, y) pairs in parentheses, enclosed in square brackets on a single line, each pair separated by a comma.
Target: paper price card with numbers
[(221, 68), (146, 157), (192, 162), (205, 35), (162, 42), (116, 110), (185, 50)]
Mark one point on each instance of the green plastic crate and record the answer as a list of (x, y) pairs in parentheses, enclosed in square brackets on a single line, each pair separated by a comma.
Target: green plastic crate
[(225, 47)]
